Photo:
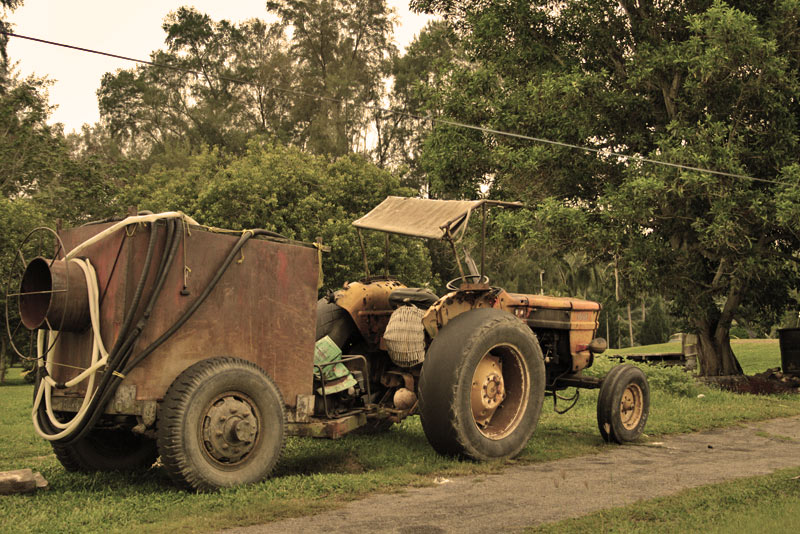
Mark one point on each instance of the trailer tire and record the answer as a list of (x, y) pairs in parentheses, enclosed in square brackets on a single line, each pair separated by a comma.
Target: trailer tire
[(335, 322), (107, 450), (461, 377), (623, 404), (222, 423)]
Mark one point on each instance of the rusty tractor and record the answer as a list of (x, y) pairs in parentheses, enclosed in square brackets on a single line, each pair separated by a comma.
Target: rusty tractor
[(156, 336)]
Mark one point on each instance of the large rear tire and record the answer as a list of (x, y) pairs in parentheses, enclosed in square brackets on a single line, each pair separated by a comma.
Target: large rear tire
[(482, 386), (623, 404), (107, 450), (222, 423)]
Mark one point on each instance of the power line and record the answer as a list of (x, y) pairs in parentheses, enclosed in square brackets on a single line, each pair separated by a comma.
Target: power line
[(416, 116)]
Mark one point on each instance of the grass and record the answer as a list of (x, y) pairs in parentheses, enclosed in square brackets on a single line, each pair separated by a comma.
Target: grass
[(755, 355), (321, 474), (758, 504)]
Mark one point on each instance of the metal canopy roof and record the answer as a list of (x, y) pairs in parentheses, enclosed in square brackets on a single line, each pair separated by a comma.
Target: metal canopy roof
[(420, 217)]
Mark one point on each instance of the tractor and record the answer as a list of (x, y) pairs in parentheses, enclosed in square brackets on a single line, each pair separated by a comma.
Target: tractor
[(477, 362), (155, 336)]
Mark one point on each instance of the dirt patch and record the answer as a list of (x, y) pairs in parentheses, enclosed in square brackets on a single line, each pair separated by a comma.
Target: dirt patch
[(769, 382), (524, 496)]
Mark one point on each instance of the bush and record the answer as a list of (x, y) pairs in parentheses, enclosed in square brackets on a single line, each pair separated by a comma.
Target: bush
[(670, 379)]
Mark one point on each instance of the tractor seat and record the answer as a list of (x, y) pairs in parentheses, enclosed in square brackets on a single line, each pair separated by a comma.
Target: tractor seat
[(412, 296)]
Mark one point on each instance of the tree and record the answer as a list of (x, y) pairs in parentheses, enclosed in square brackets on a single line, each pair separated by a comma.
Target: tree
[(400, 134), (344, 48), (243, 87), (9, 5), (299, 195), (689, 82)]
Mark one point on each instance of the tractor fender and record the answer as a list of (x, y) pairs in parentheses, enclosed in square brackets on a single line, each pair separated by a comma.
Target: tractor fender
[(368, 305), (455, 303)]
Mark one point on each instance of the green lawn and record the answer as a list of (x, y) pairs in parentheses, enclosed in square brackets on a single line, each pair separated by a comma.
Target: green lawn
[(758, 504), (755, 355), (318, 474)]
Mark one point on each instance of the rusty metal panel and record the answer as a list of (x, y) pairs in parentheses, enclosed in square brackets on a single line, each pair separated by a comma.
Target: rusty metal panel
[(418, 217), (262, 309)]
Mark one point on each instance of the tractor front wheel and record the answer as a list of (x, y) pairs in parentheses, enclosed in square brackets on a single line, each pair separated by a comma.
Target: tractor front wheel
[(482, 386), (623, 404)]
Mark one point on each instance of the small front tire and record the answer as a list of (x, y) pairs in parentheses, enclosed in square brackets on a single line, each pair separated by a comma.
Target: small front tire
[(623, 404)]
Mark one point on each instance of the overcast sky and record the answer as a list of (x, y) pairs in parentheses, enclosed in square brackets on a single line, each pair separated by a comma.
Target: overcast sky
[(130, 29)]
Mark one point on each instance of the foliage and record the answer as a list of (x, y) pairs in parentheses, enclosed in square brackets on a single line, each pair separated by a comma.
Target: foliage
[(195, 97), (343, 49), (415, 74), (304, 80), (296, 194), (706, 84), (657, 325)]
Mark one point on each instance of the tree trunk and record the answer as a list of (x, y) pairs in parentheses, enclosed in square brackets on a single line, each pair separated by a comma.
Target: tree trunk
[(3, 361), (630, 323), (714, 354)]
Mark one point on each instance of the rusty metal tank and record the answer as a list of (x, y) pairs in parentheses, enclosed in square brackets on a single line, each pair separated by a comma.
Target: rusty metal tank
[(261, 311)]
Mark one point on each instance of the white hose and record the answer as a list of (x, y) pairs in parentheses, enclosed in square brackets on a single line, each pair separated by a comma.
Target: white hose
[(127, 222), (99, 353)]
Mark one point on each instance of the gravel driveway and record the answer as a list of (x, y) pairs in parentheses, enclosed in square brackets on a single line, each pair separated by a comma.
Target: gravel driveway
[(523, 496)]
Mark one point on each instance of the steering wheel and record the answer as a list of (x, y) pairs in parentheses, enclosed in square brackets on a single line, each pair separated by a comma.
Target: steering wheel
[(479, 279)]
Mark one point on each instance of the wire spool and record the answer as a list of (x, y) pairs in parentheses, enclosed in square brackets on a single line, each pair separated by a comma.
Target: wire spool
[(405, 336)]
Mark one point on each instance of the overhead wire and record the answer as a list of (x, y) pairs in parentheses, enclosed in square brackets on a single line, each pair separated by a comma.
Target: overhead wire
[(415, 116)]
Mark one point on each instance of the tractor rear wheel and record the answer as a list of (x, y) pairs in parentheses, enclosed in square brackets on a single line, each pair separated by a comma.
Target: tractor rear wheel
[(482, 386), (623, 404), (222, 423)]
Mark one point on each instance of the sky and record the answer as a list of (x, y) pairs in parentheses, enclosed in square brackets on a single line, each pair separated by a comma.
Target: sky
[(131, 29)]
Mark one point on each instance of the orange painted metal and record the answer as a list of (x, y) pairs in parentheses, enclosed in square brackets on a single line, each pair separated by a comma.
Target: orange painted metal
[(577, 316), (368, 305)]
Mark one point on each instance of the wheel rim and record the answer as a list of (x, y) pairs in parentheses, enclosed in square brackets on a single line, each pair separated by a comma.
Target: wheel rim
[(229, 432), (500, 391), (631, 406)]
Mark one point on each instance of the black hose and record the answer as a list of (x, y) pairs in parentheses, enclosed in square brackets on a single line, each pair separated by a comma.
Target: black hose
[(107, 392), (113, 359), (112, 378), (131, 313)]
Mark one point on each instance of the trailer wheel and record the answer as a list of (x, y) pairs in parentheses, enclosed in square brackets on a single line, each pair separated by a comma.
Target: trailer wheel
[(335, 322), (482, 386), (107, 450), (222, 423), (623, 404)]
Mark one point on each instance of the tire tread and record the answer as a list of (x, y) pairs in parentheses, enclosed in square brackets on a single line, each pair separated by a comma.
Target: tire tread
[(175, 404)]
